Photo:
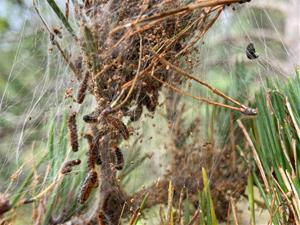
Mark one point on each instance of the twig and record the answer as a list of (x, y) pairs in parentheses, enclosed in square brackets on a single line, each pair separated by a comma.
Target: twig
[(194, 218), (200, 35), (271, 212), (234, 213), (134, 217), (255, 155), (120, 217), (288, 105), (197, 97), (46, 190), (203, 83), (178, 220)]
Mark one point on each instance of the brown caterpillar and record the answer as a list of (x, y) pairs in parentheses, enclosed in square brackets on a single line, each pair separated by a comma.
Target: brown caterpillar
[(93, 152), (119, 159), (73, 131), (82, 89), (89, 183), (118, 124), (68, 166)]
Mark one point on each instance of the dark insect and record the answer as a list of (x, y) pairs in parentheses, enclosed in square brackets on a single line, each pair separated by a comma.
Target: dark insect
[(89, 183), (118, 124), (57, 32), (73, 131), (251, 52), (91, 118), (119, 160), (82, 88), (68, 166)]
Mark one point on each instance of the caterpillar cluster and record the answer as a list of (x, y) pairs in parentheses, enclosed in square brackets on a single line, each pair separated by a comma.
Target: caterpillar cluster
[(91, 180)]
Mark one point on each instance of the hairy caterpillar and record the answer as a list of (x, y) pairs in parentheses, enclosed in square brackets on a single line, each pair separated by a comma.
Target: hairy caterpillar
[(89, 183), (119, 159), (68, 166), (82, 89), (73, 131), (93, 152)]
